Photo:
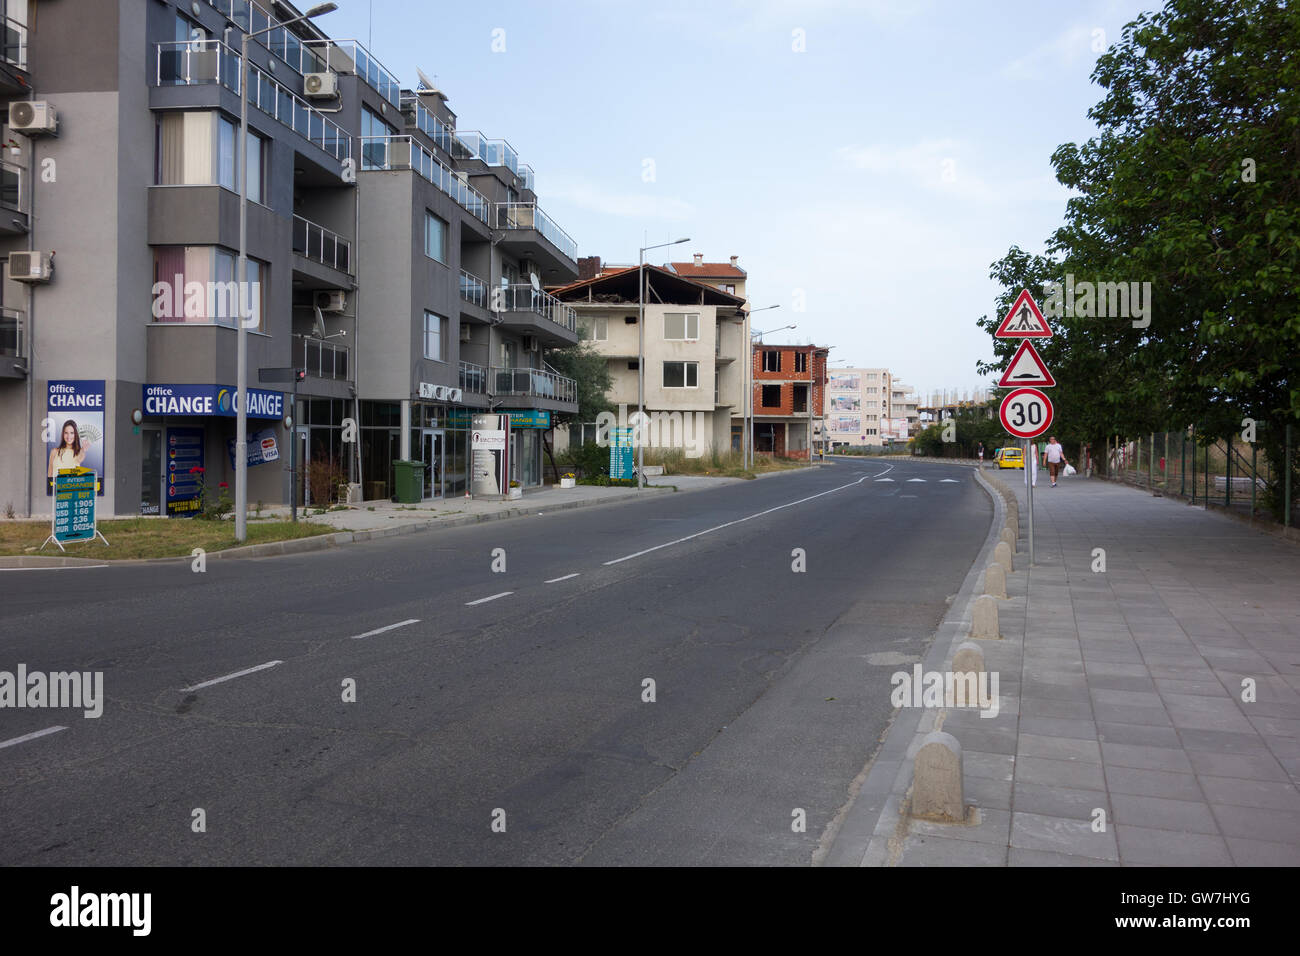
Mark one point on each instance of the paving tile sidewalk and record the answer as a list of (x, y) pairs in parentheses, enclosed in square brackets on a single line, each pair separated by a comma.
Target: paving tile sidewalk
[(1121, 691)]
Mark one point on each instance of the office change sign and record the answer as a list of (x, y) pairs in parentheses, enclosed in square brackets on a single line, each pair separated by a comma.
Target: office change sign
[(74, 429)]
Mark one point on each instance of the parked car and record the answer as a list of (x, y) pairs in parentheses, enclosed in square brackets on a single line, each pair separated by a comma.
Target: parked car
[(1011, 458)]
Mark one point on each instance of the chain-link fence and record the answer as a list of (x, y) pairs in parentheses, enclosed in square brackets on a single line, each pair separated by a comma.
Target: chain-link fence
[(1227, 472)]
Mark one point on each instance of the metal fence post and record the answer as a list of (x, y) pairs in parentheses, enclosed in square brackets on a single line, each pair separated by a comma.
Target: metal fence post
[(1151, 463), (1254, 476), (1227, 477), (1193, 464), (1182, 462), (1286, 461)]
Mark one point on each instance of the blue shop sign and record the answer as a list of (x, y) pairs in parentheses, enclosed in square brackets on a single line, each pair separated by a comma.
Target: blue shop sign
[(219, 400)]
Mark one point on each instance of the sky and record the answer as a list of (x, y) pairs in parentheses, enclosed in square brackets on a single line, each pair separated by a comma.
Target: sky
[(867, 160)]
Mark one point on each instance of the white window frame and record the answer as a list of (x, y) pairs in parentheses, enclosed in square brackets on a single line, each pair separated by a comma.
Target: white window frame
[(688, 319), (441, 331), (686, 383), (600, 328)]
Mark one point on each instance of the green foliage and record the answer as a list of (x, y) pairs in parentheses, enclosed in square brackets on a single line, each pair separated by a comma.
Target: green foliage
[(590, 370), (588, 461), (605, 481)]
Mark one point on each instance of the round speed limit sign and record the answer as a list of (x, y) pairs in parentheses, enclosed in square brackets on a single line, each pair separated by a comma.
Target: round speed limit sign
[(1026, 413)]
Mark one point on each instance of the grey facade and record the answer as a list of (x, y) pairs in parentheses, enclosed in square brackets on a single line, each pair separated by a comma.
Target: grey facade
[(137, 194)]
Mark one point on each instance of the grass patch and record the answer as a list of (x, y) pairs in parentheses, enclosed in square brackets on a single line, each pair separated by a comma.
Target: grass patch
[(150, 537), (718, 464)]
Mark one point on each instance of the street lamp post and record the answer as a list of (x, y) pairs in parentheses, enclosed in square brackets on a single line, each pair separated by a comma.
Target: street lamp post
[(241, 413), (640, 357), (748, 459)]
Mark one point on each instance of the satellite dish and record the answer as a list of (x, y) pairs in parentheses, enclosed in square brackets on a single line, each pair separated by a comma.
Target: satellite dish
[(537, 284), (425, 82), (320, 324)]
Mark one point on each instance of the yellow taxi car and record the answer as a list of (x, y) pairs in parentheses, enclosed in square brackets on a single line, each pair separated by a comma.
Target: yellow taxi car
[(1010, 458)]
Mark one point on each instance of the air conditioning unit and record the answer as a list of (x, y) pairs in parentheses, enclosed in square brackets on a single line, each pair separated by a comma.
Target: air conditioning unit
[(33, 117), (530, 343), (31, 266), (332, 300), (465, 333), (320, 86)]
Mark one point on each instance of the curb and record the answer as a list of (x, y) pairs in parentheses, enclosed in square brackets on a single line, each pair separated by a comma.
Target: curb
[(857, 838)]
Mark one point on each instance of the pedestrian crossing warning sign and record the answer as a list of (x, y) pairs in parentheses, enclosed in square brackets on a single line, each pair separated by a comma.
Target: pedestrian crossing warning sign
[(1024, 321), (1027, 368)]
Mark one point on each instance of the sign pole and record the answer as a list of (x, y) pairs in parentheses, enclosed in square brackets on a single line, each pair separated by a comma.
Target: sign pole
[(1029, 495)]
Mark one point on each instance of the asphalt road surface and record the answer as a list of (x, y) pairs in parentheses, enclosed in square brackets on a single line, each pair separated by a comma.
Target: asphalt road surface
[(500, 717)]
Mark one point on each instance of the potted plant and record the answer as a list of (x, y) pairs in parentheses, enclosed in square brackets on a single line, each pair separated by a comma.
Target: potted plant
[(568, 480), (515, 490)]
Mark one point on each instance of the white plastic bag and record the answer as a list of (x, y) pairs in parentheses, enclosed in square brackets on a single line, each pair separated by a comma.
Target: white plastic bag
[(1069, 469)]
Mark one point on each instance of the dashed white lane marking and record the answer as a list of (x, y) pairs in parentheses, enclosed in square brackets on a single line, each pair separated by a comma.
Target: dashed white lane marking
[(789, 504), (953, 480), (390, 627), (486, 599), (915, 479), (66, 567), (26, 737), (565, 578), (884, 479), (218, 680)]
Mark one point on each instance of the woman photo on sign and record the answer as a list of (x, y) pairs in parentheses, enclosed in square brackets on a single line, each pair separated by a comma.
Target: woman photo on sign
[(70, 453)]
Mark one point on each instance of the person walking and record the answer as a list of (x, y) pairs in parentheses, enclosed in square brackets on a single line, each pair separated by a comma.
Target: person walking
[(1054, 458), (979, 452)]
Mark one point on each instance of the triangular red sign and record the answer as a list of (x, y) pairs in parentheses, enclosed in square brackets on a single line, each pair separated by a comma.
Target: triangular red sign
[(1024, 321), (1026, 368)]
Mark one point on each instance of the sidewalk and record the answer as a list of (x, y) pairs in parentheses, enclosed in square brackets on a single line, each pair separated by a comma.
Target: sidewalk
[(1120, 692)]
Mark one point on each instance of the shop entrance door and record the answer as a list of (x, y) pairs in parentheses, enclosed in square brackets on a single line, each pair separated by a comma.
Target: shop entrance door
[(151, 470), (431, 446)]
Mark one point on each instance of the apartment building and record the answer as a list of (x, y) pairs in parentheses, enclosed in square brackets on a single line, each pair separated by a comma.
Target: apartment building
[(727, 276), (868, 406), (789, 392), (694, 347), (397, 260)]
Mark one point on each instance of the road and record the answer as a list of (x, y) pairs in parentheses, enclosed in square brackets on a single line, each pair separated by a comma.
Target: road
[(771, 686)]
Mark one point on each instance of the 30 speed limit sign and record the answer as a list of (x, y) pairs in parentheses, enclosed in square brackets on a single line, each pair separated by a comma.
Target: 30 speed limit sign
[(1026, 413)]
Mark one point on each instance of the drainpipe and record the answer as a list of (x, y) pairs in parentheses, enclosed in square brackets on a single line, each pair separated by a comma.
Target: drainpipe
[(30, 331)]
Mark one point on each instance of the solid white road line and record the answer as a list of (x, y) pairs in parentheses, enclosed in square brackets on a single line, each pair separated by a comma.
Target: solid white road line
[(26, 737), (565, 578), (64, 567), (486, 599), (390, 627), (791, 504), (218, 680)]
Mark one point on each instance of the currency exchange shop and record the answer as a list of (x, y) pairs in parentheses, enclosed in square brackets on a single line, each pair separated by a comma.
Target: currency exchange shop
[(188, 446)]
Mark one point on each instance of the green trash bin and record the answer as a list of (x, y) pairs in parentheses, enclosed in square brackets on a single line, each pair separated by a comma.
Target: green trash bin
[(409, 481)]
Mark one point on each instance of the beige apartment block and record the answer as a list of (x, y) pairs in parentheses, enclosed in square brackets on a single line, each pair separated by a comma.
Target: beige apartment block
[(869, 406)]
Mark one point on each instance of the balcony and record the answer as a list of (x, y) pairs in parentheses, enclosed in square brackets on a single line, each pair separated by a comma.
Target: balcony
[(497, 152), (14, 49), (443, 136), (13, 348), (403, 152), (202, 62), (473, 378), (349, 56), (13, 200), (323, 359), (473, 289), (534, 312), (320, 245), (533, 383), (528, 217)]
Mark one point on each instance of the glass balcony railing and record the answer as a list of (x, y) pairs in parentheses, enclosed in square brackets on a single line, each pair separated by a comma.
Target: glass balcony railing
[(533, 383), (423, 119), (11, 333), (528, 215), (349, 56), (323, 359), (473, 378), (14, 49), (199, 62), (403, 152), (473, 289), (320, 245), (497, 152), (522, 297)]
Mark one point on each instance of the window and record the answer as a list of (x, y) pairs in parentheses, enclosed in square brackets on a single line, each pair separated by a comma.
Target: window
[(681, 325), (801, 361), (435, 237), (434, 328), (634, 365), (196, 284), (600, 329), (681, 374), (800, 398), (374, 152), (771, 360), (200, 149), (629, 319), (771, 396)]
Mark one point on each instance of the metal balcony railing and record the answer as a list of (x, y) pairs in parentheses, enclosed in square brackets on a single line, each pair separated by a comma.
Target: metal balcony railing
[(522, 297), (498, 152), (403, 152), (12, 322), (473, 378), (320, 245), (533, 383), (13, 50), (324, 359), (528, 215), (349, 56), (473, 289), (443, 136), (199, 62)]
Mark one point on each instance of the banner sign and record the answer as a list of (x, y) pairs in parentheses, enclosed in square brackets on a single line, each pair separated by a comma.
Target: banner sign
[(74, 505), (530, 418), (74, 428), (262, 448), (490, 455), (621, 461), (184, 471), (220, 400)]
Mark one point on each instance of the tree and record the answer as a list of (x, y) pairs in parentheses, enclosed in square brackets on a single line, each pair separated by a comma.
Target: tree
[(590, 370)]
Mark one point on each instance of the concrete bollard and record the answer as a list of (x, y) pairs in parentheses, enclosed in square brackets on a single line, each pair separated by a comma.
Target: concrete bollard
[(984, 626), (1009, 537), (968, 659), (1002, 555), (937, 780), (995, 581), (1014, 524)]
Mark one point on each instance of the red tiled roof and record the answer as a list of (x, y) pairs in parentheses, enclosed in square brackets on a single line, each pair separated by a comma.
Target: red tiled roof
[(708, 270)]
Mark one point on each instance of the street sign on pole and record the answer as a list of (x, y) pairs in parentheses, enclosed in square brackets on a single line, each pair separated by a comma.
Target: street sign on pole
[(1026, 413), (1027, 368), (1024, 320)]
